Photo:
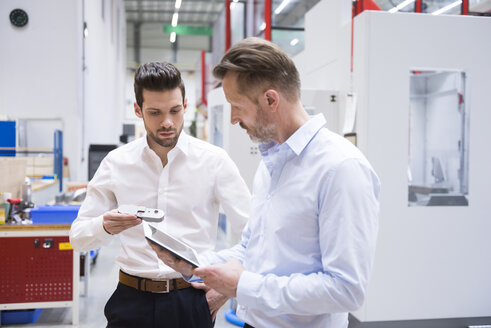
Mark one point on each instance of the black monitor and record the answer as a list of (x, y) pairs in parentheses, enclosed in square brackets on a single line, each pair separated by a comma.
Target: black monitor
[(96, 155)]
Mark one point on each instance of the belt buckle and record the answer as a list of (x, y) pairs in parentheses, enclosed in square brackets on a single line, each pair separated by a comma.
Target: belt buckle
[(167, 290)]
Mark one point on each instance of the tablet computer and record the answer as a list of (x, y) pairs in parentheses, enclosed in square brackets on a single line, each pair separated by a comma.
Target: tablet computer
[(178, 248)]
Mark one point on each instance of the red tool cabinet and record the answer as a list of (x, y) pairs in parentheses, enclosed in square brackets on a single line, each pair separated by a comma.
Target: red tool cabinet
[(35, 269), (38, 268)]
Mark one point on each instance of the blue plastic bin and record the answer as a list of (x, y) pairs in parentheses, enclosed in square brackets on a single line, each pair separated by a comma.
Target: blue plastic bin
[(54, 214), (14, 317)]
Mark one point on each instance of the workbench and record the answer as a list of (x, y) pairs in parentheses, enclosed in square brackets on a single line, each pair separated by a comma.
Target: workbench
[(38, 268)]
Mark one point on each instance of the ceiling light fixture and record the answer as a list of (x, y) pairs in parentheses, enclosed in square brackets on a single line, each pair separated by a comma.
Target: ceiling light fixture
[(175, 17), (263, 26), (447, 8), (400, 6), (178, 4), (282, 6), (172, 37), (294, 42)]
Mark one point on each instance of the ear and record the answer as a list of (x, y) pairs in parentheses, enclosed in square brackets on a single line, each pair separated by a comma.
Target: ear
[(272, 98), (138, 110), (185, 105)]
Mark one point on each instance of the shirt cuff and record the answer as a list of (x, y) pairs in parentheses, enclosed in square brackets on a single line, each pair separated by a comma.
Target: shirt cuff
[(248, 289), (99, 230), (192, 278)]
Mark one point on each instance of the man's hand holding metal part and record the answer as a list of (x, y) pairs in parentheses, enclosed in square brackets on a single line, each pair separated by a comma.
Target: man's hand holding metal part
[(115, 222)]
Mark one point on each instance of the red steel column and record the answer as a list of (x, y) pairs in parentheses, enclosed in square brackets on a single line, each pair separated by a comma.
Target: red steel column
[(267, 19), (203, 78), (465, 7), (227, 25)]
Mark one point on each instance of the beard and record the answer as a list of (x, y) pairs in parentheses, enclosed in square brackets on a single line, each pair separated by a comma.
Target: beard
[(166, 142), (263, 131)]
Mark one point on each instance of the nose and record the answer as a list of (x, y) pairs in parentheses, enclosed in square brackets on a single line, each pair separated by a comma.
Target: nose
[(166, 123), (234, 120)]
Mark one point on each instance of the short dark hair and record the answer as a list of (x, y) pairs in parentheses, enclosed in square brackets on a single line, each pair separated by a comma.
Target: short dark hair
[(157, 76), (260, 64)]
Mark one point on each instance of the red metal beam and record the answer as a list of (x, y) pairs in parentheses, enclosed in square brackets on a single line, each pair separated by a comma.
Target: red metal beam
[(359, 6), (362, 5), (370, 5), (267, 19), (465, 7), (203, 78), (227, 25), (418, 6)]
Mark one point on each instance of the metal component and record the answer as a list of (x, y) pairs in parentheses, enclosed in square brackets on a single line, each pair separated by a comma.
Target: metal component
[(142, 212)]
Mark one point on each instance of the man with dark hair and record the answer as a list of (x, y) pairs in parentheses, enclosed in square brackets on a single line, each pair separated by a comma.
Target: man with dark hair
[(306, 254), (188, 179)]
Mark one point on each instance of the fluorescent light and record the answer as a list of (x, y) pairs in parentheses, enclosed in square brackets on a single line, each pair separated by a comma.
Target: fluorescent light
[(400, 6), (447, 8), (178, 4), (281, 6), (174, 19), (173, 37), (236, 0), (232, 5), (293, 42), (263, 26)]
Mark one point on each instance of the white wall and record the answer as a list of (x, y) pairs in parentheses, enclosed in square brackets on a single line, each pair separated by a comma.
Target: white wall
[(40, 67), (105, 73), (43, 76), (325, 61), (431, 262)]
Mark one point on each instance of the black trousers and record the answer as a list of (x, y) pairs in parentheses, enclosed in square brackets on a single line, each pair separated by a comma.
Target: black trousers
[(129, 308)]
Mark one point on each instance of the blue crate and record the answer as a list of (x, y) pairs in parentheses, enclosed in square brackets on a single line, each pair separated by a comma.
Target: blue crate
[(54, 214), (7, 137), (14, 317)]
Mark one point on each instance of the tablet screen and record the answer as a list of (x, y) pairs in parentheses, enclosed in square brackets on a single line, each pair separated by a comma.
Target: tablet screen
[(166, 241)]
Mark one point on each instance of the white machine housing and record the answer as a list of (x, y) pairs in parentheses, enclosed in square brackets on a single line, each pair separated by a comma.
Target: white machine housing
[(431, 262)]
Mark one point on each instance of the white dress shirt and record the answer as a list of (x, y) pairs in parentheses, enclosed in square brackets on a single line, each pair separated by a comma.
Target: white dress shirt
[(198, 178), (310, 241)]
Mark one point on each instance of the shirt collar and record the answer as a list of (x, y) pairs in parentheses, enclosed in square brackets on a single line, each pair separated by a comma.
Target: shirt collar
[(300, 138), (182, 143)]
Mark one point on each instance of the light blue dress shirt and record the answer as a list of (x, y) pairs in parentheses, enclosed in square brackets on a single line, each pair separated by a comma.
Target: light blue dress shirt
[(309, 244)]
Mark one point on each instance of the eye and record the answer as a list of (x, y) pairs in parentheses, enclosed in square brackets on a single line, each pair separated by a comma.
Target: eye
[(175, 111), (154, 113)]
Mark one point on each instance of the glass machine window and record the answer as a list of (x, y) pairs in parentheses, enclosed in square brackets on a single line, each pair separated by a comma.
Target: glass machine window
[(438, 168)]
